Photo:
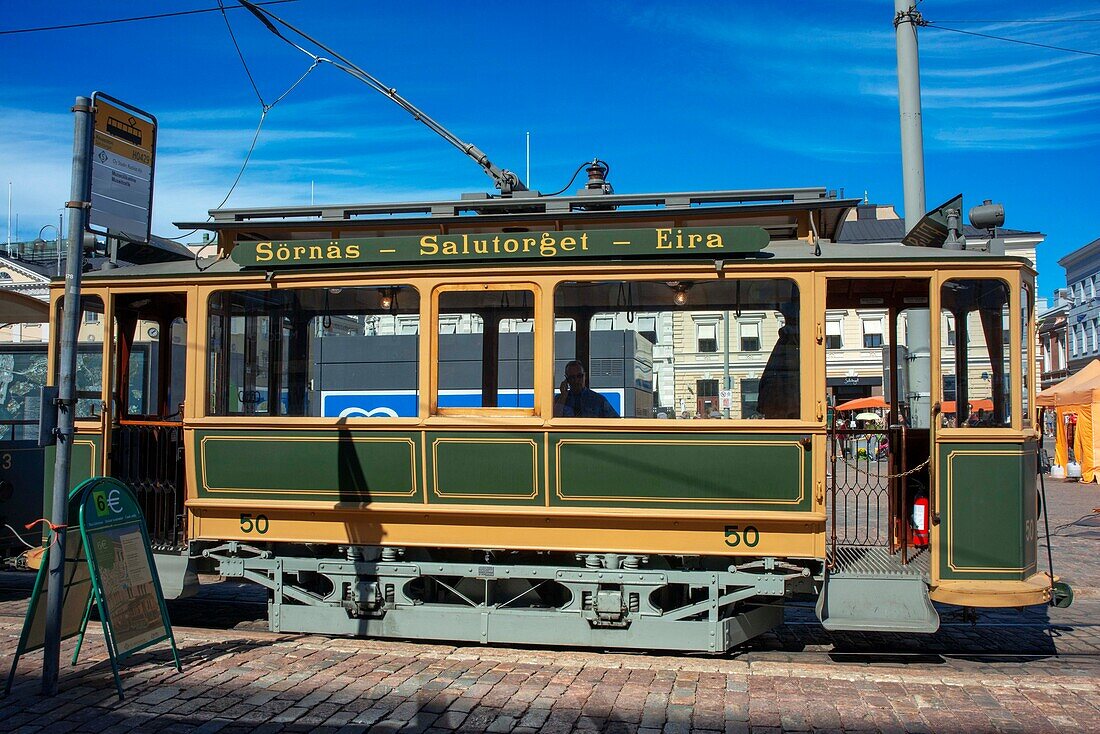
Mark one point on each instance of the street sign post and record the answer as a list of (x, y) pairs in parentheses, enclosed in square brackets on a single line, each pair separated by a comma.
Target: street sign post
[(725, 399), (123, 158), (108, 563)]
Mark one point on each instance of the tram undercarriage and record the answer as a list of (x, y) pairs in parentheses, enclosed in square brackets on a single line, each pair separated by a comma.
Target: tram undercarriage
[(592, 600)]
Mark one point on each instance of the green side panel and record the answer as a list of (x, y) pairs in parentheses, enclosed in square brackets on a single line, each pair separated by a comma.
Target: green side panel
[(1029, 481), (323, 465), (677, 470), (87, 461), (485, 468), (988, 510)]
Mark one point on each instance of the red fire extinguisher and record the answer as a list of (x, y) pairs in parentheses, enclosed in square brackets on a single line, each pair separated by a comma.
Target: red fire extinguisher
[(920, 522)]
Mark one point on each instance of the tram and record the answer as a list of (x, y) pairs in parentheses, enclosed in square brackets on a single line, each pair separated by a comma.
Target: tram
[(22, 374), (681, 523)]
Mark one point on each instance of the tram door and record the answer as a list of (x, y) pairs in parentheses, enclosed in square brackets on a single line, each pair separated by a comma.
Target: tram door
[(147, 389), (877, 384)]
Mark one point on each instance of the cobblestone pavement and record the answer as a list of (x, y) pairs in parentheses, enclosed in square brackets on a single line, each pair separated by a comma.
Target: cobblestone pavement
[(1004, 670)]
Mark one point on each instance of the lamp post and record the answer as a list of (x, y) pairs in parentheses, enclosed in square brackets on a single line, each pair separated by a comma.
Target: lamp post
[(38, 241)]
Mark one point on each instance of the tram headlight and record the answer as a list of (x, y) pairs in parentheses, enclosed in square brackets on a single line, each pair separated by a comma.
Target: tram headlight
[(988, 215)]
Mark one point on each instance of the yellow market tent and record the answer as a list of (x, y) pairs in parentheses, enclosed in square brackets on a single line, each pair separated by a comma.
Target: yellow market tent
[(1077, 399)]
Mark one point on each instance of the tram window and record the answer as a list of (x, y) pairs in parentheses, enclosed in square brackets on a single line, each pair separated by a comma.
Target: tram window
[(980, 358), (721, 349), (487, 360), (322, 352), (89, 356), (147, 345)]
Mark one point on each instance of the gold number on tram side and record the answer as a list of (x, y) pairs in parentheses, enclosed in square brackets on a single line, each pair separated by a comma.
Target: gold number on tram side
[(750, 536), (258, 524)]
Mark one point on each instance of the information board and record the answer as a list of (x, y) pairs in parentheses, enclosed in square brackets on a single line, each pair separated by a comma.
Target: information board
[(129, 595), (123, 155), (107, 561)]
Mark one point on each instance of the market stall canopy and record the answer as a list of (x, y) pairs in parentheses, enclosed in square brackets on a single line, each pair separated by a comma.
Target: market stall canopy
[(868, 417), (875, 401), (19, 308), (1081, 388)]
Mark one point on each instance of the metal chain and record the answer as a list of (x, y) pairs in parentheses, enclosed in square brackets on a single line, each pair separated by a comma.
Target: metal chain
[(914, 470)]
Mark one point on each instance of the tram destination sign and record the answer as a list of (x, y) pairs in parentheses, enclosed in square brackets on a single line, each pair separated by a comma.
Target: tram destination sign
[(533, 245), (123, 154)]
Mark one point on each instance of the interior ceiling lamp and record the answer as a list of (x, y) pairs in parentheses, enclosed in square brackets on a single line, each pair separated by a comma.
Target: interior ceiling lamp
[(386, 299), (679, 292)]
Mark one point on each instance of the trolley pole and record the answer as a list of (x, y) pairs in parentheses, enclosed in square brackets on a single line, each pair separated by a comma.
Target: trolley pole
[(66, 402), (919, 321)]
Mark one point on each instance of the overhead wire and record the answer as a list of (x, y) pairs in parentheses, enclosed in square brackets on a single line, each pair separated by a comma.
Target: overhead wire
[(935, 25), (112, 21), (1033, 20), (265, 107)]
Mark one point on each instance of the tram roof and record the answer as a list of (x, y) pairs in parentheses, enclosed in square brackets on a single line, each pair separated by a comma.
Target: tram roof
[(531, 206)]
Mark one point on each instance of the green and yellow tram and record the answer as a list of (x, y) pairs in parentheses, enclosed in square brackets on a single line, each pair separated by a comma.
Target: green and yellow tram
[(368, 414)]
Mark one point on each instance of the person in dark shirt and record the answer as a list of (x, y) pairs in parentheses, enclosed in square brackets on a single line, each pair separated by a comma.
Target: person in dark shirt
[(576, 400)]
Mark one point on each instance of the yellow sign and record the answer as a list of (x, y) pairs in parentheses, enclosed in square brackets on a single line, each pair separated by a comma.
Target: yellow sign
[(123, 134)]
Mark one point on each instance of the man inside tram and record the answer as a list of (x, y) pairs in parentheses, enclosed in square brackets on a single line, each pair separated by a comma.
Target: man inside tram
[(577, 400)]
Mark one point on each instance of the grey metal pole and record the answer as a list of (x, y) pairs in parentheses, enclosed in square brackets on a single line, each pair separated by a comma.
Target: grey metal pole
[(919, 320), (726, 363), (66, 403), (912, 134)]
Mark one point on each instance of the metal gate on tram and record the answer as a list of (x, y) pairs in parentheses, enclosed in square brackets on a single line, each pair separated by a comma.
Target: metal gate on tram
[(870, 499), (147, 456)]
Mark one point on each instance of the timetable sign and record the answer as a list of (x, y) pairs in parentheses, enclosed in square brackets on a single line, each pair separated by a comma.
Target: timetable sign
[(123, 152)]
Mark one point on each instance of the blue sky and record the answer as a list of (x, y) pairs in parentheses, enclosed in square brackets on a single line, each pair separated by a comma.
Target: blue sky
[(675, 96)]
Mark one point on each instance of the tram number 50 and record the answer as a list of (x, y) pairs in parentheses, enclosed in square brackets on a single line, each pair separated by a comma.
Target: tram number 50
[(257, 524), (750, 536)]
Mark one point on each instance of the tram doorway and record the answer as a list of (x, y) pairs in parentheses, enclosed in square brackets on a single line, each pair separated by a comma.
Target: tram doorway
[(877, 380), (148, 378)]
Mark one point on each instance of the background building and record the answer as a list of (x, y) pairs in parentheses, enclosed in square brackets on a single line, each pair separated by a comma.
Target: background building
[(1082, 320)]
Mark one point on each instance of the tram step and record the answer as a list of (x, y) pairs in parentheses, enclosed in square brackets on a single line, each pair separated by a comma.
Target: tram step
[(886, 602)]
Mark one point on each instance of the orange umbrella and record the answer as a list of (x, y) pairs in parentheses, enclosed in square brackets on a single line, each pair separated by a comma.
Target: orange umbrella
[(876, 401), (948, 406)]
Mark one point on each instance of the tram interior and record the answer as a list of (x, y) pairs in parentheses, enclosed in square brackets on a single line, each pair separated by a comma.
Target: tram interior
[(749, 324)]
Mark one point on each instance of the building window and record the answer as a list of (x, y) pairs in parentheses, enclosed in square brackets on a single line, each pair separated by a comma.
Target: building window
[(950, 330), (706, 391), (750, 338), (1073, 342), (603, 323), (707, 336), (91, 317), (833, 339), (750, 393), (872, 333), (448, 324)]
